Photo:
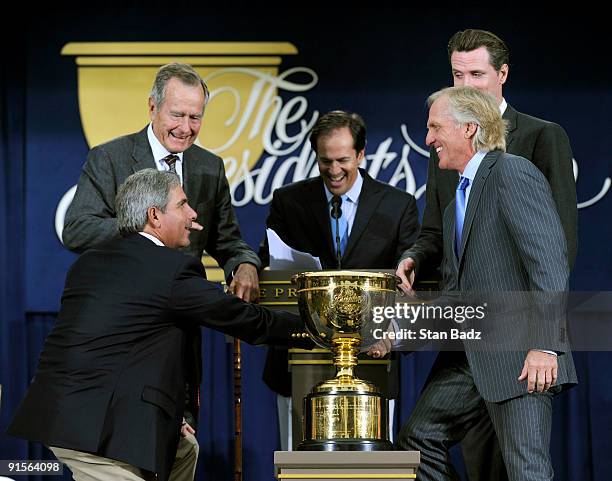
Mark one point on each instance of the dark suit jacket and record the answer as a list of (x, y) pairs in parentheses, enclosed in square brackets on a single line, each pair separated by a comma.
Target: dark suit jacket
[(386, 224), (110, 380), (91, 218), (545, 144), (512, 241)]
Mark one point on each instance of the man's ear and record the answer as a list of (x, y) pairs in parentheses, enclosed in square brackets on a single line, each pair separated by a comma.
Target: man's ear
[(360, 156), (152, 108), (502, 75), (153, 217), (470, 130)]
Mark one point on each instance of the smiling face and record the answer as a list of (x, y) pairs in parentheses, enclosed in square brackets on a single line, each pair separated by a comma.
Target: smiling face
[(177, 120), (474, 69), (451, 141), (338, 161), (173, 226)]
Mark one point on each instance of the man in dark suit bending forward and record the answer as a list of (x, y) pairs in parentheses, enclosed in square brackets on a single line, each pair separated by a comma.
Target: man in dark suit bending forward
[(109, 393)]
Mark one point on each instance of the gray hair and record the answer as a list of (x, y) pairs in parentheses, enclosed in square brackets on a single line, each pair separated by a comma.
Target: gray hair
[(469, 105), (146, 188), (181, 71)]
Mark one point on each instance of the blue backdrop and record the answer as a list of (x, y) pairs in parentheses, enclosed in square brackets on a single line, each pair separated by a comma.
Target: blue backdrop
[(381, 63)]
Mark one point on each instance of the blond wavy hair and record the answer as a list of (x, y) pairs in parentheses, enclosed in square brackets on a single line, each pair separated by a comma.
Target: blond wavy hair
[(468, 105)]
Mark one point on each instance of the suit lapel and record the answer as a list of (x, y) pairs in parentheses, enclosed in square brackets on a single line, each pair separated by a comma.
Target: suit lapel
[(475, 193), (193, 177), (317, 205), (448, 226), (369, 198), (142, 153), (510, 116)]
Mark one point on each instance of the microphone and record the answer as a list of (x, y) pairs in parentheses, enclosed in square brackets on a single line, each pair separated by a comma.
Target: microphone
[(336, 213)]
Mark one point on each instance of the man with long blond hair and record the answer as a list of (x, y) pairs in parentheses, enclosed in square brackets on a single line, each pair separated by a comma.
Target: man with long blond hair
[(501, 235)]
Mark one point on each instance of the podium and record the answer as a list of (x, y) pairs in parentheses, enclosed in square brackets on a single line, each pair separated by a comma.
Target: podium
[(308, 368), (343, 465)]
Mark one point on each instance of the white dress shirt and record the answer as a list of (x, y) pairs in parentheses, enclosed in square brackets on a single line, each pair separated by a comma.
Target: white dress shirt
[(160, 152)]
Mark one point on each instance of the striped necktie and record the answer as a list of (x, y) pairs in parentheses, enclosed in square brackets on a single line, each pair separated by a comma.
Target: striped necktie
[(170, 160)]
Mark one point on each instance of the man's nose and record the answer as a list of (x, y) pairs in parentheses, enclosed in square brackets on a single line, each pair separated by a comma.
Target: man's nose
[(429, 139), (193, 215), (334, 168), (183, 123)]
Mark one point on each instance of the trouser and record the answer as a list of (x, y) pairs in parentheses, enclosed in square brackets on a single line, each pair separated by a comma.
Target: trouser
[(481, 453), (90, 467), (450, 405)]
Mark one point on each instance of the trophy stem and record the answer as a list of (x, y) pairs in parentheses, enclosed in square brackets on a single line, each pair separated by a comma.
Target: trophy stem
[(345, 355)]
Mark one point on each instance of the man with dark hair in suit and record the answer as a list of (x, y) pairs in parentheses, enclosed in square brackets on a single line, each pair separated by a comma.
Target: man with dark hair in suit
[(480, 59), (377, 223), (108, 394), (176, 106), (501, 234)]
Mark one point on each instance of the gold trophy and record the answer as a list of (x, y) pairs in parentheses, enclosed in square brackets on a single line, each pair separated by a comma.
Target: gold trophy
[(344, 413)]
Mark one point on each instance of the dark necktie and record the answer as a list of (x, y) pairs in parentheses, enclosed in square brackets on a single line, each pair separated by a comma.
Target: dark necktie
[(171, 161), (460, 206)]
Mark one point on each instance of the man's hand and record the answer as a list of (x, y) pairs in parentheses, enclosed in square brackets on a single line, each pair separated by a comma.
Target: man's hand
[(540, 370), (405, 271), (380, 349), (245, 283), (186, 429)]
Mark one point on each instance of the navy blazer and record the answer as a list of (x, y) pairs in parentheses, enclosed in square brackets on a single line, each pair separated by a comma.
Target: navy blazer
[(111, 376)]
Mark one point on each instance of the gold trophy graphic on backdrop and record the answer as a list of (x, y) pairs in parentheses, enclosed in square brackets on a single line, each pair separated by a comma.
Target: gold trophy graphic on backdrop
[(344, 413), (116, 77)]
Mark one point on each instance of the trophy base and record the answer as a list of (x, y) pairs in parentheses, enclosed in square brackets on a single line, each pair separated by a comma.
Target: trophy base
[(345, 445), (345, 414)]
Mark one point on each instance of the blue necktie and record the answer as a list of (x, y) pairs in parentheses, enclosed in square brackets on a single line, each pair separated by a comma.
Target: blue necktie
[(343, 226), (460, 210)]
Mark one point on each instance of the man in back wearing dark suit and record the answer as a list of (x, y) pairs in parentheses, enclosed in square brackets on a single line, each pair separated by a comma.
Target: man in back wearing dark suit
[(502, 234), (176, 107), (108, 394), (377, 222), (480, 59)]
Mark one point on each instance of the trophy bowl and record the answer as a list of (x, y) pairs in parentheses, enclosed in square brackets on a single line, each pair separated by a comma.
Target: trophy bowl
[(344, 413), (336, 304)]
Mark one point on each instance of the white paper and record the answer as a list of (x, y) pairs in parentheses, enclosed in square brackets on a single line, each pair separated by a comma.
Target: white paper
[(283, 257)]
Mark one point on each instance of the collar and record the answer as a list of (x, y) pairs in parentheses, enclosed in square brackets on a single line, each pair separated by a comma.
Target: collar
[(472, 166), (352, 194), (503, 106), (159, 151), (152, 238)]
